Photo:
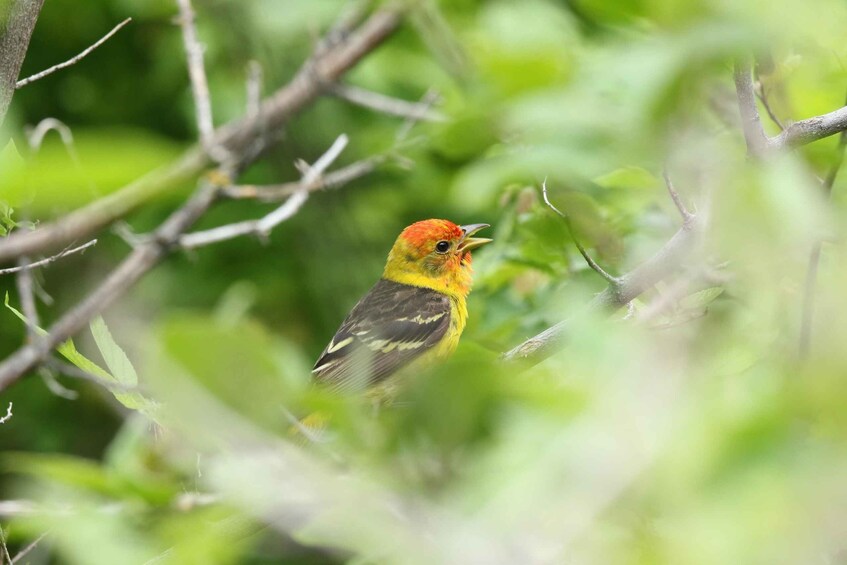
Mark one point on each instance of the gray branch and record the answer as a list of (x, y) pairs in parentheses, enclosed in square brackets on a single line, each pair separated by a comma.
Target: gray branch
[(794, 135), (629, 286), (19, 17), (263, 226), (199, 85), (48, 260), (142, 259), (237, 137), (386, 104), (73, 60)]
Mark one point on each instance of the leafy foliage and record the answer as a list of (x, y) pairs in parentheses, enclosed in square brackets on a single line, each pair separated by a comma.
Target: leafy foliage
[(691, 432)]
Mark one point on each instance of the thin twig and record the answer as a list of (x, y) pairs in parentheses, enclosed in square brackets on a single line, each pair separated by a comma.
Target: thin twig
[(237, 136), (794, 135), (5, 557), (48, 260), (53, 385), (627, 287), (763, 98), (8, 415), (36, 136), (263, 226), (429, 98), (25, 284), (142, 259), (37, 76), (419, 111), (254, 90), (22, 553), (199, 84), (808, 308), (683, 211), (328, 181), (613, 281), (751, 124)]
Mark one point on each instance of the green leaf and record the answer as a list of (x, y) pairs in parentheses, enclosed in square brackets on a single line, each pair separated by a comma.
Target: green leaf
[(112, 353), (115, 358), (702, 298)]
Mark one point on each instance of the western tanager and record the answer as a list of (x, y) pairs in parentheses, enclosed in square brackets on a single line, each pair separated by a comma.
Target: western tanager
[(415, 312)]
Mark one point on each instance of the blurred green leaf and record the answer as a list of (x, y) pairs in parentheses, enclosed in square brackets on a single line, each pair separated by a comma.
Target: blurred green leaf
[(132, 400)]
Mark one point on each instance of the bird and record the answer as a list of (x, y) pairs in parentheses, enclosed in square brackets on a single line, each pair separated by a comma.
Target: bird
[(413, 315)]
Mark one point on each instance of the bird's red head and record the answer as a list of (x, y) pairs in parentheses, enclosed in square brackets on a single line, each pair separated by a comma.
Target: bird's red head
[(434, 253)]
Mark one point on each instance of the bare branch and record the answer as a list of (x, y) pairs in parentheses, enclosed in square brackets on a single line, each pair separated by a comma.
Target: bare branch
[(334, 179), (4, 556), (236, 136), (48, 260), (591, 263), (19, 17), (419, 111), (35, 137), (54, 386), (73, 60), (8, 415), (25, 285), (811, 129), (22, 553), (142, 259), (263, 226), (683, 211), (751, 125), (199, 84), (427, 100), (16, 508), (794, 135), (629, 286), (254, 90), (763, 98)]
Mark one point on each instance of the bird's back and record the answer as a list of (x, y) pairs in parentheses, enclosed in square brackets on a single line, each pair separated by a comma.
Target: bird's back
[(393, 325)]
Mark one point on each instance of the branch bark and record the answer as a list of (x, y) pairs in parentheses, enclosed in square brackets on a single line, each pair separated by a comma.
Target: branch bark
[(141, 260), (751, 123), (73, 60), (237, 137), (794, 135), (19, 17), (627, 287)]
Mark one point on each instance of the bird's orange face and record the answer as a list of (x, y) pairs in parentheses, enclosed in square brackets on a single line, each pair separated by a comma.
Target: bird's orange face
[(439, 246)]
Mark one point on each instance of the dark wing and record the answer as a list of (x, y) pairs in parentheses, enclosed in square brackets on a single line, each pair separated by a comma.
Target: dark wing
[(392, 325)]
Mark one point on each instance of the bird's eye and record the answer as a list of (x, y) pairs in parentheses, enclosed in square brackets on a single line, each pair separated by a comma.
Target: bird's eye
[(442, 246)]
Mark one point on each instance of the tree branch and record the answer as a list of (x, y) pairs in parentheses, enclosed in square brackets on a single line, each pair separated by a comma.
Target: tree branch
[(629, 286), (811, 129), (334, 179), (263, 226), (794, 135), (751, 124), (48, 260), (613, 281), (20, 17), (74, 60), (8, 415), (683, 211), (23, 553), (199, 85), (142, 259), (386, 104), (236, 137)]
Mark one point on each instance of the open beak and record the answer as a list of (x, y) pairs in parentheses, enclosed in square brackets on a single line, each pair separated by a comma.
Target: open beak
[(467, 242)]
